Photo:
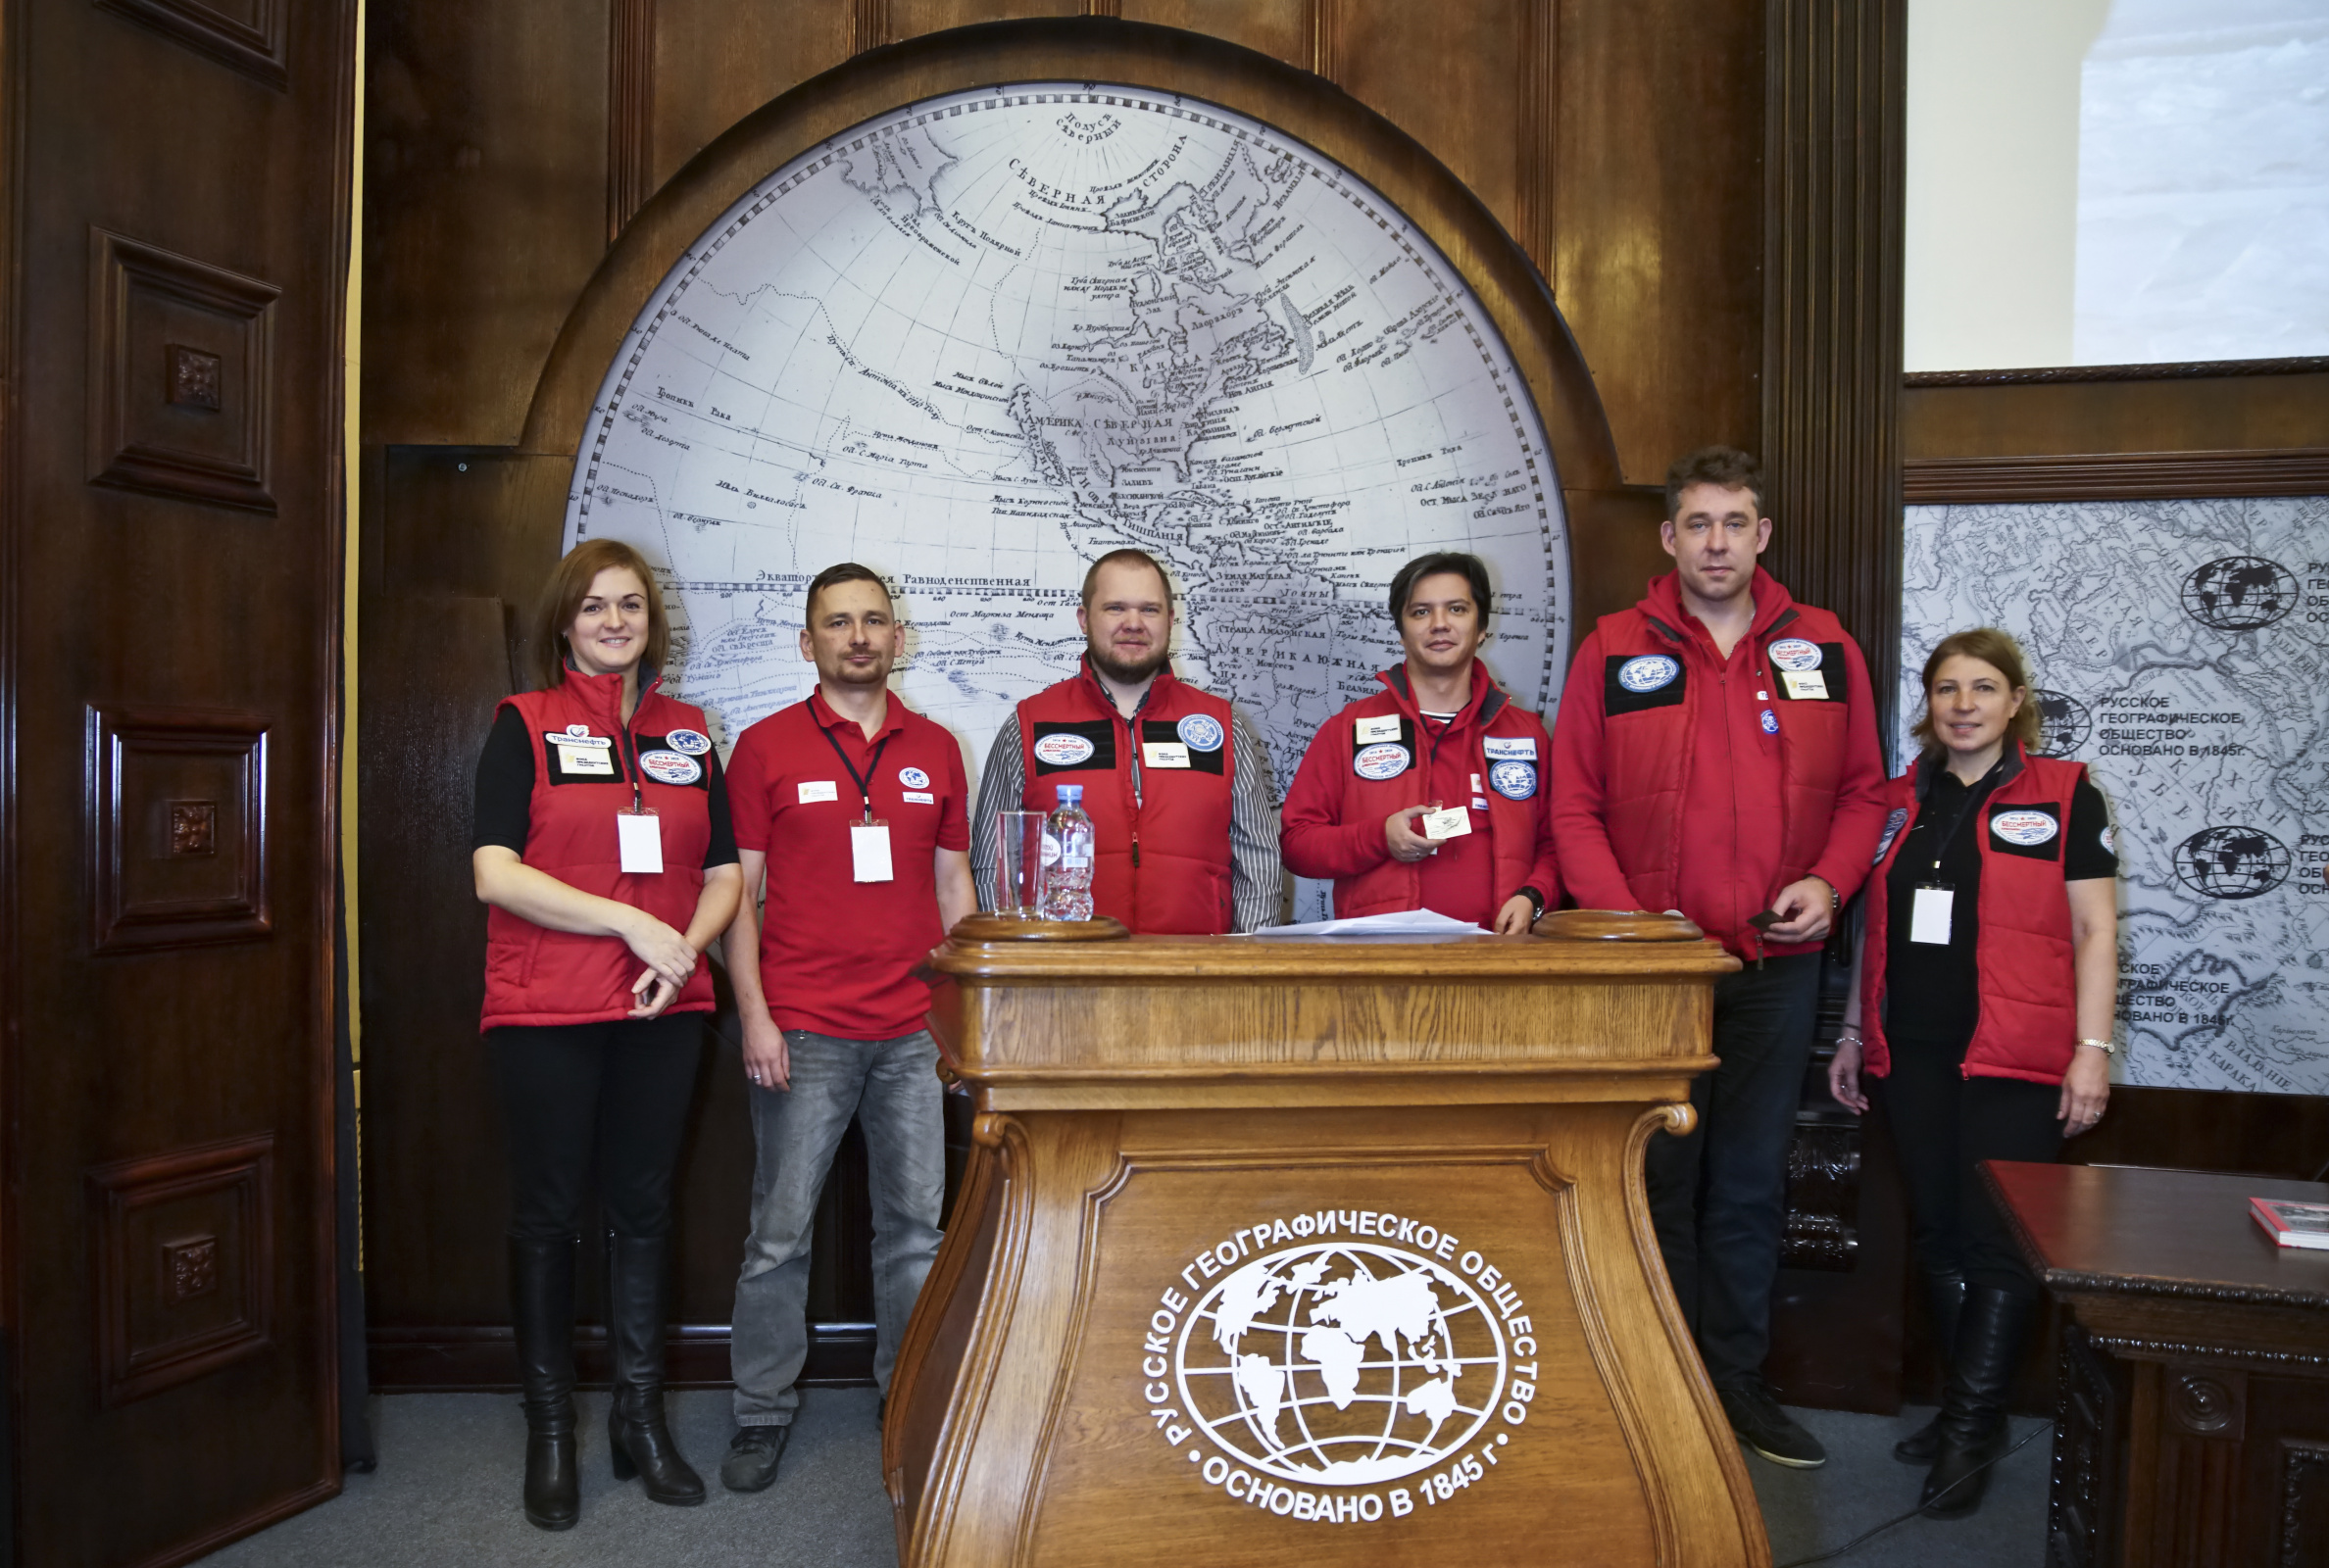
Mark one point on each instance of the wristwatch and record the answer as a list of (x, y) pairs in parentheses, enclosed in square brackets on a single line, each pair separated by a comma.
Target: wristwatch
[(1537, 900), (2108, 1048)]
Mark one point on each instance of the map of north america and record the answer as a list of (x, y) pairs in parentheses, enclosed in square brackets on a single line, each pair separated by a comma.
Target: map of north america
[(2181, 650), (978, 342)]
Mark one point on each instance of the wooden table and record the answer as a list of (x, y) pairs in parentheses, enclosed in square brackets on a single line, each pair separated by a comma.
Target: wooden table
[(1272, 1252), (2192, 1426)]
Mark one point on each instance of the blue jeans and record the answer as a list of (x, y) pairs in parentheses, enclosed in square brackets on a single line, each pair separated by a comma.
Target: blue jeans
[(892, 1087), (1718, 1198)]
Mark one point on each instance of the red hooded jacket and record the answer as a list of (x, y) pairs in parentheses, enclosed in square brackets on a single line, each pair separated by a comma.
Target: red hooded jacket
[(1161, 836), (1685, 780), (1351, 781), (534, 975), (2028, 986)]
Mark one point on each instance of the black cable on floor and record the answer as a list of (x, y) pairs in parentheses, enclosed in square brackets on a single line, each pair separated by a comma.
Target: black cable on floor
[(1868, 1535)]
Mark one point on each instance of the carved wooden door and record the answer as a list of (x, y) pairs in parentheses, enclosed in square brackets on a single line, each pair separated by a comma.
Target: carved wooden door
[(170, 534)]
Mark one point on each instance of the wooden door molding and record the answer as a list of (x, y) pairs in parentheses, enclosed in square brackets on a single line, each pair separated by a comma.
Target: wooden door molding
[(1086, 49), (1836, 89), (259, 48), (177, 828), (2116, 477)]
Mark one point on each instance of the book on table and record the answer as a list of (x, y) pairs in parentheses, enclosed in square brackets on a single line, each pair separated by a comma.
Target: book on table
[(2291, 1224)]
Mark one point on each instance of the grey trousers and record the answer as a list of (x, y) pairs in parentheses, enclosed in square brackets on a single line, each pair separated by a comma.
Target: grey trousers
[(892, 1087)]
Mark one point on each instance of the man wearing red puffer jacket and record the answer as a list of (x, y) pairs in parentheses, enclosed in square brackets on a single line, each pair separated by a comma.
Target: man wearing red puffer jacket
[(1717, 753), (1430, 795)]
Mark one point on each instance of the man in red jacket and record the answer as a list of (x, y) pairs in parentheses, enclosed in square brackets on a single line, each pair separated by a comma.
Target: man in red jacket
[(1430, 795), (1176, 783), (1717, 753)]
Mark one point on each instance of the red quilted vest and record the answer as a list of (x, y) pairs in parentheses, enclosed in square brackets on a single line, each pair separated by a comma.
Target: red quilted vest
[(1162, 860), (2028, 1020), (534, 975)]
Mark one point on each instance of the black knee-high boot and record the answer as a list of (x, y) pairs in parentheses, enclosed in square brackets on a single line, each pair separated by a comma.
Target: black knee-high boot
[(639, 1442), (1944, 1300), (1973, 1411), (543, 1314)]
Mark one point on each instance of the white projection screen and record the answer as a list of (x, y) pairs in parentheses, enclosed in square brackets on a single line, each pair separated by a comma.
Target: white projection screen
[(2116, 183)]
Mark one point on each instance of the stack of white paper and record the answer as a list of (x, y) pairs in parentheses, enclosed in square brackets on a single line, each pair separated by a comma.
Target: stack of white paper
[(1402, 923)]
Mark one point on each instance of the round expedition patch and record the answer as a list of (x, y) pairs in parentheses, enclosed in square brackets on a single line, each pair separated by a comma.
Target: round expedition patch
[(1648, 673), (1515, 781), (1770, 722), (2110, 841), (693, 742), (913, 778), (1387, 760), (1892, 830), (670, 768), (1064, 750), (1793, 653), (1200, 732), (2024, 828)]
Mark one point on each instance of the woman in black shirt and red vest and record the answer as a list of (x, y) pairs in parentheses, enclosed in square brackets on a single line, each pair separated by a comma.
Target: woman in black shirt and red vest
[(604, 850), (1981, 1013)]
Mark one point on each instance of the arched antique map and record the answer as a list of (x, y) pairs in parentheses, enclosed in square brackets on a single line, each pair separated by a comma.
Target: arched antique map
[(978, 342)]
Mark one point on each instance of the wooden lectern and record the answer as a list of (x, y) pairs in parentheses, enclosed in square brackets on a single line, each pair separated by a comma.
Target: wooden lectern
[(1275, 1250)]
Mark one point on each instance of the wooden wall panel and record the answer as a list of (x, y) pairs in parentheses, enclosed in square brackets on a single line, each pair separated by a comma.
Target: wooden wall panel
[(485, 207), (2206, 413), (1658, 220), (716, 61), (1282, 29), (911, 18), (1448, 75)]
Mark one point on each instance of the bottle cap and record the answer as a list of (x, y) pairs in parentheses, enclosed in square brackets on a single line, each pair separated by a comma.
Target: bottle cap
[(1071, 794)]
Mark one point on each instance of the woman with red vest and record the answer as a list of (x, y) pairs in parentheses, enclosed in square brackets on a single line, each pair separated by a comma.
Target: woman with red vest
[(1981, 1014), (1440, 747), (603, 849)]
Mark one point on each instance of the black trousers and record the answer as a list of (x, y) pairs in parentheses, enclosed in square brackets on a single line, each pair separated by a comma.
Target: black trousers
[(1718, 1197), (1945, 1124), (610, 1096)]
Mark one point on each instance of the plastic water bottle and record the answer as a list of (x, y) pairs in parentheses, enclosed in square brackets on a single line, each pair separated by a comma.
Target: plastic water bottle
[(1068, 856)]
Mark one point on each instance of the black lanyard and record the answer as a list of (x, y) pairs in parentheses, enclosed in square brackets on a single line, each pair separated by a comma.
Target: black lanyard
[(872, 766), (1977, 794)]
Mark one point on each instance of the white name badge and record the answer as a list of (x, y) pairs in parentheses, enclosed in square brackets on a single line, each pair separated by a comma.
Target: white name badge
[(640, 837), (1452, 823), (1928, 916), (1164, 753), (1498, 749), (587, 760), (818, 790), (869, 850), (921, 798), (1802, 683), (1372, 730)]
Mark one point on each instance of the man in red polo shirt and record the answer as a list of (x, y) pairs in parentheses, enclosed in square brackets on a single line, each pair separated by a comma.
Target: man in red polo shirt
[(1716, 753), (1430, 794), (849, 808)]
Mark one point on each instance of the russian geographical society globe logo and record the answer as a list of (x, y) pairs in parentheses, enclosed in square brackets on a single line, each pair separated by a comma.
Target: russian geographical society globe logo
[(2063, 723), (1370, 1351), (2239, 593), (2231, 862)]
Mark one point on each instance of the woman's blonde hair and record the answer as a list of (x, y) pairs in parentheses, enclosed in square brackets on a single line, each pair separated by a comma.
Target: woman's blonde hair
[(562, 601), (2001, 654)]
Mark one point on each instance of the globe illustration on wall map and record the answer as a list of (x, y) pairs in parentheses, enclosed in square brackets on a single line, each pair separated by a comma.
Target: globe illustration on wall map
[(2063, 723), (1344, 1363), (2231, 862), (2239, 593), (979, 341)]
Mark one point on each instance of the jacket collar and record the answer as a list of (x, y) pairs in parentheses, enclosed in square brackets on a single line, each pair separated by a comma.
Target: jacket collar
[(602, 694), (2009, 767), (1487, 699), (892, 715), (1662, 605)]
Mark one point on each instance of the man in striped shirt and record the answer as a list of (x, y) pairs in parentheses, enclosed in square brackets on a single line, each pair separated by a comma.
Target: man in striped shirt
[(1176, 783)]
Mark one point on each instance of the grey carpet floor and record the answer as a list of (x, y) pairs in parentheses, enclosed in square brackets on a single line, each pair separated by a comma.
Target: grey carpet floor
[(446, 1492)]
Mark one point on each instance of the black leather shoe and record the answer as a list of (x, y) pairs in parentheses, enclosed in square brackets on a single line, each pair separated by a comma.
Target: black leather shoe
[(543, 1314), (1972, 1417), (1944, 1301), (638, 1441), (1759, 1422), (752, 1456)]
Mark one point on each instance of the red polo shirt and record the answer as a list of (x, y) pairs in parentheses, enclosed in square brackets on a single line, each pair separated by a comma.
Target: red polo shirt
[(837, 955)]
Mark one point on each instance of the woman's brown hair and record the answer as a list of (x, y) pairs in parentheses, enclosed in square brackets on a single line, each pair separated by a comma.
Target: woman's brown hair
[(2001, 654), (562, 601)]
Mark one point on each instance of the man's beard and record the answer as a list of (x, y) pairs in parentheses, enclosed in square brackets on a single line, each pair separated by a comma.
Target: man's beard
[(873, 675), (1124, 674)]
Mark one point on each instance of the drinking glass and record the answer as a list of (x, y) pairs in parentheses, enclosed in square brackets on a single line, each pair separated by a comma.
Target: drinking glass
[(1018, 864)]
